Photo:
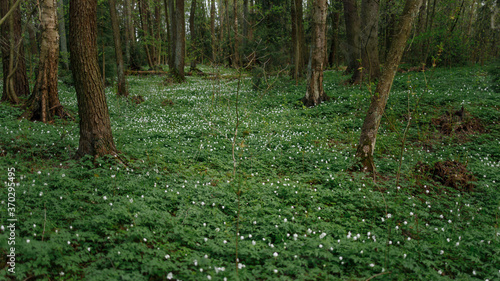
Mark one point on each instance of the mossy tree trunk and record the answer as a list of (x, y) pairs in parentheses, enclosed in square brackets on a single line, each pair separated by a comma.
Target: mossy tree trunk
[(96, 138), (366, 146), (43, 103), (122, 83), (315, 93)]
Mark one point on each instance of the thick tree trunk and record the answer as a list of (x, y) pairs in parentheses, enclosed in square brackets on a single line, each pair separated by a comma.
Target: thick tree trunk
[(43, 103), (352, 23), (122, 83), (62, 35), (369, 38), (180, 41), (371, 123), (315, 93), (14, 67), (96, 138)]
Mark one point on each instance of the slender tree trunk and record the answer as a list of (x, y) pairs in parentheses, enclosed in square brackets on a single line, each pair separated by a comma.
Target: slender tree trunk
[(422, 18), (96, 138), (212, 31), (148, 38), (122, 83), (173, 33), (245, 22), (14, 67), (192, 30), (315, 93), (332, 57), (62, 35), (127, 13), (369, 38), (371, 123), (43, 103), (236, 40), (298, 41), (180, 42), (352, 23)]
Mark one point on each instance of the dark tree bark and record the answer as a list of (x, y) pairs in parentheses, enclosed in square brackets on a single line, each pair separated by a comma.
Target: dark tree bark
[(352, 23), (147, 32), (371, 124), (335, 17), (15, 80), (245, 22), (298, 45), (62, 35), (127, 13), (122, 83), (43, 103), (96, 138), (192, 30), (180, 41), (315, 93), (212, 30), (236, 39), (369, 39)]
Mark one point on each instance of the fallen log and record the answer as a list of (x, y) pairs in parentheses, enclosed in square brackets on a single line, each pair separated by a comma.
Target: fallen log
[(145, 72)]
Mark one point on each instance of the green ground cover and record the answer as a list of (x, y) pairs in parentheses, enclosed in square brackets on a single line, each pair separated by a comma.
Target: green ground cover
[(291, 209)]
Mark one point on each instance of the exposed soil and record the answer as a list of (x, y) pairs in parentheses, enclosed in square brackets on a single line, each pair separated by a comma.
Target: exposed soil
[(137, 99), (450, 173), (459, 123)]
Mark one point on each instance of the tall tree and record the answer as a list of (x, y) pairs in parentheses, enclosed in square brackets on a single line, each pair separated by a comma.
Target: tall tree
[(43, 103), (145, 15), (315, 93), (352, 25), (15, 80), (298, 42), (192, 30), (95, 126), (122, 83), (369, 39), (62, 34), (178, 39), (236, 39), (371, 123), (212, 30), (335, 17)]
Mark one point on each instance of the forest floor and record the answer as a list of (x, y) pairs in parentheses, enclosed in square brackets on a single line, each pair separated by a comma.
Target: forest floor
[(192, 192)]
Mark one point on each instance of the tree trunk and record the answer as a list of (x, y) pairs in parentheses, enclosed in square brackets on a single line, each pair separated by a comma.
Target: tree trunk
[(14, 67), (192, 30), (332, 57), (315, 93), (369, 39), (245, 22), (62, 35), (236, 40), (371, 124), (43, 103), (173, 34), (147, 33), (180, 41), (96, 138), (127, 13), (122, 83), (298, 43), (212, 30), (352, 23)]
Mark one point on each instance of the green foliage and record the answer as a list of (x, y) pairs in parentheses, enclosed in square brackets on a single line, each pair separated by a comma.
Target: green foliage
[(171, 212), (494, 71)]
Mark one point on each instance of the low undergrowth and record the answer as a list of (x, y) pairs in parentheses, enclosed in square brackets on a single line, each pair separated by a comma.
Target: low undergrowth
[(175, 209)]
